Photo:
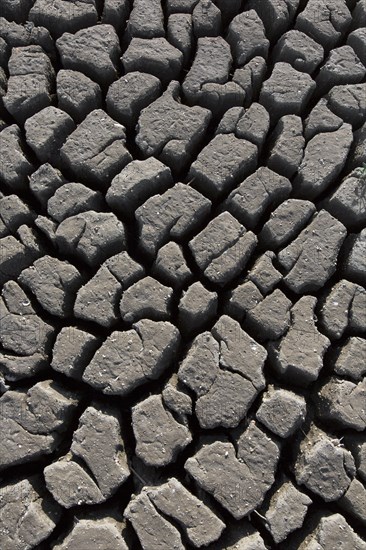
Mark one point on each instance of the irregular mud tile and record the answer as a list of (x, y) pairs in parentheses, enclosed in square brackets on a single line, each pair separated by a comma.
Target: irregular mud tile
[(324, 21), (222, 164), (200, 525), (176, 399), (152, 529), (54, 284), (44, 182), (125, 269), (246, 36), (180, 34), (77, 94), (321, 119), (91, 236), (115, 12), (331, 531), (357, 155), (357, 41), (62, 16), (239, 536), (29, 238), (172, 215), (170, 130), (93, 534), (146, 19), (200, 367), (287, 91), (311, 259), (30, 82), (288, 146), (98, 442), (159, 437), (354, 501), (155, 56), (137, 182), (207, 82), (229, 121), (96, 150), (355, 261), (341, 67), (250, 78), (335, 312), (47, 228), (253, 125), (93, 51), (46, 132), (243, 298), (298, 356), (259, 191), (128, 359), (14, 258), (180, 6), (349, 102), (15, 167), (15, 367), (72, 351), (146, 299), (348, 201), (277, 15), (270, 319), (298, 49), (206, 18), (130, 94), (222, 249), (197, 307), (342, 403), (349, 360), (28, 514), (14, 213), (282, 411), (264, 274), (170, 266), (17, 36), (323, 466), (71, 199)]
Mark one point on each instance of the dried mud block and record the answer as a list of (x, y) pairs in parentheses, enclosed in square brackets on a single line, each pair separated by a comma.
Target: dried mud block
[(342, 309), (246, 35), (16, 35), (298, 356), (270, 319), (180, 34), (332, 530), (222, 164), (14, 213), (349, 102), (16, 10), (348, 202), (321, 119), (240, 535), (130, 94), (115, 12), (128, 359), (311, 259), (72, 351), (359, 15), (288, 146), (341, 67), (146, 19), (341, 403), (206, 19), (222, 249), (170, 130), (77, 94), (71, 199), (61, 16), (15, 167), (146, 299), (282, 411), (277, 15), (197, 307), (96, 150), (250, 78), (256, 194), (355, 261), (44, 182), (176, 399), (264, 274), (354, 501), (253, 125), (349, 360), (170, 266), (93, 534), (298, 49), (243, 298), (357, 41)]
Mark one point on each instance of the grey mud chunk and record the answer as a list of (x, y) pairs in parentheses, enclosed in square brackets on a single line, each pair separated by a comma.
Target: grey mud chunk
[(197, 307), (324, 21), (172, 215), (91, 236), (93, 51), (277, 15), (246, 35), (357, 41), (341, 67), (243, 298), (342, 403), (282, 411), (170, 266), (15, 35), (286, 510), (222, 249), (16, 10), (239, 483), (240, 536), (155, 56), (176, 398), (159, 437), (200, 525), (13, 213), (130, 94), (348, 101), (298, 49), (298, 356), (96, 150), (330, 531), (207, 83), (342, 309), (264, 274), (355, 261), (146, 299), (137, 182), (180, 33), (288, 146), (28, 514), (16, 255), (206, 19), (152, 529), (222, 164), (77, 94), (146, 19), (72, 351), (356, 443), (44, 182), (354, 500), (15, 166), (270, 319), (253, 124), (260, 190), (321, 119), (348, 202), (250, 78), (323, 466), (30, 83), (359, 15), (285, 222), (93, 534), (115, 12), (33, 421), (46, 132), (311, 259), (348, 362), (170, 130), (54, 283), (128, 359), (287, 91), (61, 16), (73, 198)]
